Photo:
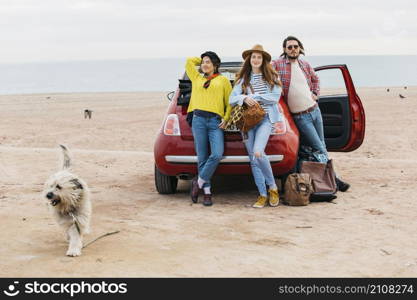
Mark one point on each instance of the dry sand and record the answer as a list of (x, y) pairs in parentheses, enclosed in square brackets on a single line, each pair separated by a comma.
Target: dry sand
[(368, 231)]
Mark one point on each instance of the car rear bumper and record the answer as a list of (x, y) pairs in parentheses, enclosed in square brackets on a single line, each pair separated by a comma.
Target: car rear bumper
[(175, 156), (230, 159)]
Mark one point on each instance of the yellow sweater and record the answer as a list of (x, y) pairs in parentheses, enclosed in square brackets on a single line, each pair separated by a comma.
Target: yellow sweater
[(213, 99)]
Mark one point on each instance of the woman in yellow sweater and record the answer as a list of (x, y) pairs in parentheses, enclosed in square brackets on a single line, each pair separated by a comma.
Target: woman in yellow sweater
[(210, 107)]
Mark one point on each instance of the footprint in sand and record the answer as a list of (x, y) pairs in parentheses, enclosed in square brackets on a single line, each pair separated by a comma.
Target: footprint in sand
[(374, 211)]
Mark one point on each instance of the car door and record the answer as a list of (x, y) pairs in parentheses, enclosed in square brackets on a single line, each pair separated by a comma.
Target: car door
[(341, 108)]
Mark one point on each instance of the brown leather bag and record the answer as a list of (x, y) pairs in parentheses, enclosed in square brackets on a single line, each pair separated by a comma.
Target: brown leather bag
[(322, 176), (298, 188), (245, 117), (251, 116)]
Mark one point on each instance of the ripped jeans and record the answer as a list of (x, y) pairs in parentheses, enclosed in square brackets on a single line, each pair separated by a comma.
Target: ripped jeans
[(261, 167)]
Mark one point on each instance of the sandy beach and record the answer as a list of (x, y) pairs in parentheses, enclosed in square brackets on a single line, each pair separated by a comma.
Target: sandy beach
[(369, 231)]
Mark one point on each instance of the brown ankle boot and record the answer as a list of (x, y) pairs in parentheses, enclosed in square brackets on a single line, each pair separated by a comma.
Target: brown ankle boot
[(194, 190), (207, 200)]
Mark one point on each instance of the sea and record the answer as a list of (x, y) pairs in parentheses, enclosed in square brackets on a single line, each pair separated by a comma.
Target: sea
[(162, 74)]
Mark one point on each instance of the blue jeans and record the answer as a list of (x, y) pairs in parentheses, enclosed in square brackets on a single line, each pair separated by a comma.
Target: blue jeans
[(310, 126), (261, 167), (207, 134)]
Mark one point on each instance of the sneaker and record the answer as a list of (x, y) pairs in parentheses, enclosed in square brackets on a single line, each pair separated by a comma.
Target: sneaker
[(260, 203), (273, 197)]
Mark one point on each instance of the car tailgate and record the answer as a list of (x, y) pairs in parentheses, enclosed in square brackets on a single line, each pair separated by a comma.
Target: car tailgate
[(187, 134)]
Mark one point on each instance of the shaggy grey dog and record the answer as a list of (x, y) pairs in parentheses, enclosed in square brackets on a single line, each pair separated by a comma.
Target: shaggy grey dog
[(69, 197)]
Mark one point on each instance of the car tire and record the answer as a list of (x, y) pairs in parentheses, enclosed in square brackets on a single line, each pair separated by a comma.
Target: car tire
[(165, 184)]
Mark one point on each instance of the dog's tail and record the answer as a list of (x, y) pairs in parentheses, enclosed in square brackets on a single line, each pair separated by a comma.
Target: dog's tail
[(66, 157)]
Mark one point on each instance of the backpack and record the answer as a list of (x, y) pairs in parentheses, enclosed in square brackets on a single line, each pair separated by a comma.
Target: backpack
[(298, 188)]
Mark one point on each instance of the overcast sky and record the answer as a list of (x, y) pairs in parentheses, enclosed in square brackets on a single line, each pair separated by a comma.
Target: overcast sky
[(61, 30)]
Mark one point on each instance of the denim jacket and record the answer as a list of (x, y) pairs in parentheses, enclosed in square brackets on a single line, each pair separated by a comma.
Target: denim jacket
[(269, 100)]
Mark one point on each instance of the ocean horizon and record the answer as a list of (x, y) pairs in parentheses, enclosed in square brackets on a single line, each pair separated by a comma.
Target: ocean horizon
[(162, 74)]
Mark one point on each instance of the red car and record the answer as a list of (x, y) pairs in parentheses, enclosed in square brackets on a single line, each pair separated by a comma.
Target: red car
[(175, 157)]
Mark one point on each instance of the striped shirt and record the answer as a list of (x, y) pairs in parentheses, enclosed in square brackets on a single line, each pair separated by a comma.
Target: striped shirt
[(259, 85)]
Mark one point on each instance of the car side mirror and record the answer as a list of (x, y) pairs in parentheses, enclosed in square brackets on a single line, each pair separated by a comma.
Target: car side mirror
[(170, 95)]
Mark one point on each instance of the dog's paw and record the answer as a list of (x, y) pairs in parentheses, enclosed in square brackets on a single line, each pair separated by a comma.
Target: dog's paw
[(74, 252)]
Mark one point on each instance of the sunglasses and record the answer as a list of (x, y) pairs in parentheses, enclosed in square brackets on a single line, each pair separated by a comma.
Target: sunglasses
[(290, 47)]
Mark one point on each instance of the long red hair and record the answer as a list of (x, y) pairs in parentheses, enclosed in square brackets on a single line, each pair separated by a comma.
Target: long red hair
[(269, 74)]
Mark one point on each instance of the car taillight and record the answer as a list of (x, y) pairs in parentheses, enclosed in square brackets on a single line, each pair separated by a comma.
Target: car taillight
[(172, 125), (279, 128)]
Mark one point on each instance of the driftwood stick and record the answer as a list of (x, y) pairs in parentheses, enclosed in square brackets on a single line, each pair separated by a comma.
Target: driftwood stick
[(101, 236), (385, 251)]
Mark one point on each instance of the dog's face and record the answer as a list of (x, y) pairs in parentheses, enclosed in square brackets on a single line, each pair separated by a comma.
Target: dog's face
[(63, 190)]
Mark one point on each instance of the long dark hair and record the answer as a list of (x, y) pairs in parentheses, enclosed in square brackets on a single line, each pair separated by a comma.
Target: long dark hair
[(268, 73), (292, 38)]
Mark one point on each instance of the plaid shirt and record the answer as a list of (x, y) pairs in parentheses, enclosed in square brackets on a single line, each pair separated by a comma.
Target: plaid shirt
[(283, 67)]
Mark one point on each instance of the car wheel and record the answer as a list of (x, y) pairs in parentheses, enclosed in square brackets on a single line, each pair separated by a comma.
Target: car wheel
[(165, 184)]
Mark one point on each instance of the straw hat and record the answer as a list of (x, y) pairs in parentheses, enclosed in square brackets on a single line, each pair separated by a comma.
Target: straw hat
[(257, 48)]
